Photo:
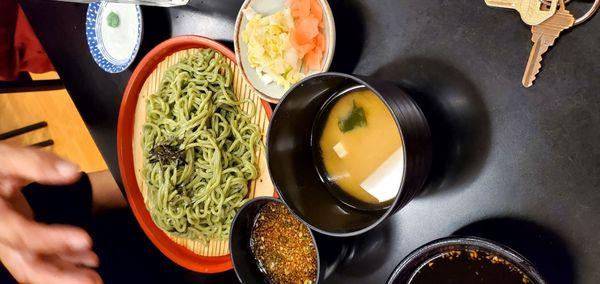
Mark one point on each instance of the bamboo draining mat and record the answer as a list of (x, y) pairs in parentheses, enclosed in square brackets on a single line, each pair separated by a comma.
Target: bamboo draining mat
[(262, 186)]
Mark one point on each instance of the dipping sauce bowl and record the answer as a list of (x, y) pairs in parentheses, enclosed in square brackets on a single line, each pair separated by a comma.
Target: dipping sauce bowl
[(496, 256), (330, 251)]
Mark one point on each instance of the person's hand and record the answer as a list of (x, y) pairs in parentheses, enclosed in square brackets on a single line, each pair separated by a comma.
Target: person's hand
[(34, 252)]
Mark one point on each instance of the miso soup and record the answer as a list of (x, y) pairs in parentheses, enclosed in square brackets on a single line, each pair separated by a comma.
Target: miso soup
[(360, 149)]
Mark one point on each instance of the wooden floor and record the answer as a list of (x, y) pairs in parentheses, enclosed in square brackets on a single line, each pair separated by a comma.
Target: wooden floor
[(65, 126)]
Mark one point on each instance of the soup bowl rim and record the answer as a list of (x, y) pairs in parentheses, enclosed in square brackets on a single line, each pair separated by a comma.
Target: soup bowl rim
[(388, 210)]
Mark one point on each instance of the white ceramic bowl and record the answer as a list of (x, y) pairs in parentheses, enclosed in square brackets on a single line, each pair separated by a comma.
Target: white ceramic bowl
[(273, 92)]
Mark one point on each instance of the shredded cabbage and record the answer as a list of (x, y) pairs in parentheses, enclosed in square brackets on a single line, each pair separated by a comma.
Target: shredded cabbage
[(270, 52)]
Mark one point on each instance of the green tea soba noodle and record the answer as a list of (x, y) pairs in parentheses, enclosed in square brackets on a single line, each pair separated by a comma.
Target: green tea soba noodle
[(198, 148)]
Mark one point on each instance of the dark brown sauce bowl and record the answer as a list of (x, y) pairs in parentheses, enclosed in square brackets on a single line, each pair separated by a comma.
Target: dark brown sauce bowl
[(294, 167), (330, 251), (411, 263)]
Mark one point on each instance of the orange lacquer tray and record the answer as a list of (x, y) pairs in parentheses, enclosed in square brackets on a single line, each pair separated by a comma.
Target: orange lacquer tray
[(212, 258)]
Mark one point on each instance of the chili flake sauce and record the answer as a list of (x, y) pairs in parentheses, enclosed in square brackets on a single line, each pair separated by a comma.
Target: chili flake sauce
[(283, 247)]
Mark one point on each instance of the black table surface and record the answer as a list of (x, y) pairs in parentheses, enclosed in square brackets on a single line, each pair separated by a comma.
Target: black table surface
[(519, 166)]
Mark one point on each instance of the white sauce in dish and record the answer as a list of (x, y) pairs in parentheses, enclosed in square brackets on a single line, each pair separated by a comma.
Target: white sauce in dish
[(120, 42)]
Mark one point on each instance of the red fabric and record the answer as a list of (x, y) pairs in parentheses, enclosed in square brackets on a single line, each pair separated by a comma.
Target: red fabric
[(20, 50)]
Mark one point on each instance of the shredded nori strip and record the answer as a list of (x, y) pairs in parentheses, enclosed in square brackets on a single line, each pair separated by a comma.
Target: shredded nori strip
[(166, 154)]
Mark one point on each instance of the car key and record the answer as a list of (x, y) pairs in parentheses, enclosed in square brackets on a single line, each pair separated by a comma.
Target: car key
[(543, 36), (532, 12)]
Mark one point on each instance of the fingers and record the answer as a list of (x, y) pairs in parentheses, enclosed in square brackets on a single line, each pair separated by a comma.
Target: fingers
[(19, 203), (52, 239), (86, 258), (56, 270), (14, 262), (9, 185), (32, 268), (21, 233), (36, 165)]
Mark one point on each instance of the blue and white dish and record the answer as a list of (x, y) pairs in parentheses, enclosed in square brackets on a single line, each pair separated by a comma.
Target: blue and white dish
[(113, 48)]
